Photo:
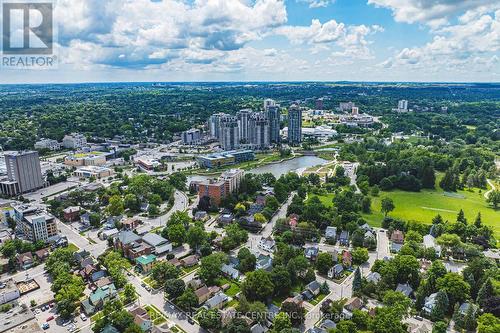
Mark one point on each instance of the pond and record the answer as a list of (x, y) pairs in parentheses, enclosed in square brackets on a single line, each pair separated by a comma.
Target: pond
[(297, 164)]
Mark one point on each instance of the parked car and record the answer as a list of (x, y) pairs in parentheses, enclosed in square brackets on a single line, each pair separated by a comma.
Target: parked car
[(83, 316), (45, 326), (50, 318)]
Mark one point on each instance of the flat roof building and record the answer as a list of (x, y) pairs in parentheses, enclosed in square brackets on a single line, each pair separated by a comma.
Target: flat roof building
[(23, 171)]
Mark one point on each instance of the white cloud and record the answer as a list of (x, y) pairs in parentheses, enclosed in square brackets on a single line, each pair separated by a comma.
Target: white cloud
[(473, 45), (317, 3), (151, 32), (350, 39), (434, 13)]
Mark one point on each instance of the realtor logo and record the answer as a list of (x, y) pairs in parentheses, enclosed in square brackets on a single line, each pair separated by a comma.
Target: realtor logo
[(27, 34)]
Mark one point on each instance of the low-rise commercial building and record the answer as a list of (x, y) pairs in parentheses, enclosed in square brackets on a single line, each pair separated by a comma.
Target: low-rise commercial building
[(86, 159), (217, 160), (47, 144), (93, 171)]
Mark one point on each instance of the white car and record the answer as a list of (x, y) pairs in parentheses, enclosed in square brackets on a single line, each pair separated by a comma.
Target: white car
[(83, 317)]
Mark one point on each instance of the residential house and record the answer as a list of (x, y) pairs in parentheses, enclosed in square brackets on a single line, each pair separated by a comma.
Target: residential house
[(464, 307), (42, 254), (354, 303), (267, 244), (347, 259), (258, 328), (264, 262), (104, 281), (131, 245), (145, 263), (81, 256), (398, 237), (226, 218), (405, 289), (190, 261), (293, 220), (97, 298), (369, 235), (311, 253), (331, 235), (130, 224), (164, 328), (87, 271), (108, 234), (201, 215), (71, 213), (159, 244), (373, 277), (176, 262), (85, 219), (336, 271), (366, 227), (24, 260), (328, 325), (396, 247), (142, 319), (316, 330), (430, 242), (314, 287), (217, 302), (195, 283), (344, 238), (429, 303), (230, 271)]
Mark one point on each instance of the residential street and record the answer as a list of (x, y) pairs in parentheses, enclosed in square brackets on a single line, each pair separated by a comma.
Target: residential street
[(344, 289)]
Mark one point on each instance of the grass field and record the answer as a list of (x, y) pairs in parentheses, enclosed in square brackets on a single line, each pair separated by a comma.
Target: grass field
[(424, 205)]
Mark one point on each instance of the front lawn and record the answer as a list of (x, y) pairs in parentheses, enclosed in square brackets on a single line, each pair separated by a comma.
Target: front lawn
[(155, 314)]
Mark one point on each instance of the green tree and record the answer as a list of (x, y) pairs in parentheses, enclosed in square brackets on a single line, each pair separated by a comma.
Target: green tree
[(324, 262), (188, 300), (115, 206), (485, 292), (470, 321), (494, 198), (346, 326), (281, 279), (441, 307), (129, 293), (210, 267), (387, 206), (246, 259), (295, 311), (209, 319), (163, 271), (387, 320), (440, 327), (356, 282), (488, 323), (132, 202), (454, 286), (398, 301), (359, 256), (196, 236), (281, 322), (176, 234), (174, 287), (237, 325), (258, 285)]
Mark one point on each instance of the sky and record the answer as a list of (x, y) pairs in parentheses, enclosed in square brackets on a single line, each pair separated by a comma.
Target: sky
[(272, 40)]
